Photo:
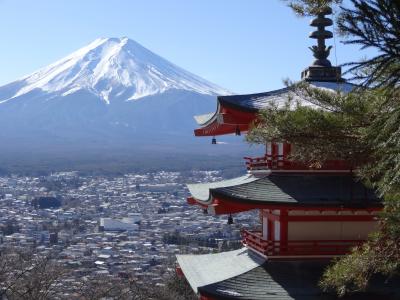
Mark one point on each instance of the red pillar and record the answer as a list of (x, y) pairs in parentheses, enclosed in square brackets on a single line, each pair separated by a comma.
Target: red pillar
[(270, 231), (284, 229)]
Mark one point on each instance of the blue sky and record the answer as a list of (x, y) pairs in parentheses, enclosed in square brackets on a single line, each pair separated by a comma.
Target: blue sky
[(243, 45)]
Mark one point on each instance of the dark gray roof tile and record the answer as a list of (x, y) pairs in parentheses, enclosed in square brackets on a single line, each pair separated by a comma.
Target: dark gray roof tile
[(256, 102), (291, 280), (302, 190)]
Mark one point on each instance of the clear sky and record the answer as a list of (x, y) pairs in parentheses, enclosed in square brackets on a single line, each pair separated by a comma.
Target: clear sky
[(243, 45)]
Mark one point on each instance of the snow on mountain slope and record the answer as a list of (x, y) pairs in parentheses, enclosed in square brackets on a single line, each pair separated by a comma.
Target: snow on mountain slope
[(110, 68)]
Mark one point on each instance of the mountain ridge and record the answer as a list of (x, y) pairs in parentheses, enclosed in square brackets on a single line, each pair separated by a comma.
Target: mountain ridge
[(110, 68)]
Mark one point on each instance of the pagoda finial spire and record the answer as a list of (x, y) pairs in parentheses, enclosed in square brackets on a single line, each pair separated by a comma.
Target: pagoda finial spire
[(322, 69), (321, 52)]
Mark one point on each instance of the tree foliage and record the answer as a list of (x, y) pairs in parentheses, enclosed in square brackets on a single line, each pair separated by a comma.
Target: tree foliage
[(25, 275), (328, 120), (362, 127), (310, 7), (28, 275), (374, 24)]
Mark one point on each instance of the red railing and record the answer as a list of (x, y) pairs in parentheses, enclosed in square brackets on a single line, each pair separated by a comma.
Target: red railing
[(276, 162), (254, 240), (265, 162)]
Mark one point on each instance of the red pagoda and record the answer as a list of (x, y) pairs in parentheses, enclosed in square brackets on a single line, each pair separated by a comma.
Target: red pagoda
[(307, 215)]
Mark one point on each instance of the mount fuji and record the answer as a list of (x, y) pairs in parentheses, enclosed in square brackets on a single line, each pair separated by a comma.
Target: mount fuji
[(110, 69), (110, 93)]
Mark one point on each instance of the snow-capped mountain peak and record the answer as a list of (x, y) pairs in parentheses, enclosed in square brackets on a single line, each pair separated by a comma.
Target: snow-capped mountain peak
[(113, 68)]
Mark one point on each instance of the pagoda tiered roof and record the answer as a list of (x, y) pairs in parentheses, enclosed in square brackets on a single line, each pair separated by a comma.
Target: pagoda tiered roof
[(284, 190), (236, 112), (240, 274), (201, 191), (291, 280), (309, 213), (202, 270)]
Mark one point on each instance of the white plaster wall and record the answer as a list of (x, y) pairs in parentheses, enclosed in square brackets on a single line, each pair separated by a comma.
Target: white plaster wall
[(358, 230), (330, 230), (280, 150), (277, 230)]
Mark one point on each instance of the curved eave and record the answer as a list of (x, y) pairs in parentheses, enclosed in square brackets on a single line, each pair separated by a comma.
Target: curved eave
[(253, 103), (226, 120), (230, 205), (206, 269), (202, 204), (226, 201), (291, 191), (222, 205), (297, 190), (220, 129), (201, 193), (238, 111)]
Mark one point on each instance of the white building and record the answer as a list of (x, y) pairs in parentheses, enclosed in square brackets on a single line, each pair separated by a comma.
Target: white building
[(125, 224)]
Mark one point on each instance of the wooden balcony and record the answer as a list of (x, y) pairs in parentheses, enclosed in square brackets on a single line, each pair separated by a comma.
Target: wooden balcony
[(269, 248), (267, 162)]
